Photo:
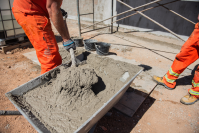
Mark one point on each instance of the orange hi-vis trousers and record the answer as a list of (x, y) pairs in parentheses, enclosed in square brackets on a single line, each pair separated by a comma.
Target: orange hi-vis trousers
[(189, 53), (38, 29)]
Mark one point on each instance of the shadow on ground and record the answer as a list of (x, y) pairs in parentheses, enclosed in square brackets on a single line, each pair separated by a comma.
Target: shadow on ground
[(112, 53), (118, 122), (145, 67), (186, 80)]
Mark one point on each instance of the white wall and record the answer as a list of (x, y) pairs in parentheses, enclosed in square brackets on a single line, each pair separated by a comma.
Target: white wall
[(102, 9)]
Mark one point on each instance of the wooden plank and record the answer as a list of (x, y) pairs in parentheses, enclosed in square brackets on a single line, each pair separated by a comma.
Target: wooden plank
[(124, 109), (130, 102), (142, 86), (11, 47)]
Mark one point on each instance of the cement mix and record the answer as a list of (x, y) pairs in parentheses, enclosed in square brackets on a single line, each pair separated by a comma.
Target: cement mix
[(72, 95), (66, 55)]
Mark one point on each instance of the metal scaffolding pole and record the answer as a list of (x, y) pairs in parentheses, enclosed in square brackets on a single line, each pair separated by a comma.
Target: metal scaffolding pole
[(123, 13), (145, 10), (78, 13), (176, 13), (111, 15), (93, 13), (129, 16), (153, 21)]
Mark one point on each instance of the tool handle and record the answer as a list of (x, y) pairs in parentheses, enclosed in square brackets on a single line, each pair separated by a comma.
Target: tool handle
[(3, 112), (72, 57)]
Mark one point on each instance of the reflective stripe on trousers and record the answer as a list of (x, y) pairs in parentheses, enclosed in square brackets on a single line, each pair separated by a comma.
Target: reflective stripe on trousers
[(189, 53)]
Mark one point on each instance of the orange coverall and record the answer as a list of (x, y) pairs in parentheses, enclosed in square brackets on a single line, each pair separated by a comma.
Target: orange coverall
[(189, 53), (33, 17)]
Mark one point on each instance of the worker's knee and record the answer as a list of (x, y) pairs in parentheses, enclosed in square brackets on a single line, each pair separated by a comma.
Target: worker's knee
[(50, 63)]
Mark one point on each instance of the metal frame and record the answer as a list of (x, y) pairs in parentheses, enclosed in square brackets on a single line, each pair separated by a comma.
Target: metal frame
[(12, 18), (122, 13), (156, 7), (111, 15), (78, 13), (3, 24), (137, 12), (152, 20)]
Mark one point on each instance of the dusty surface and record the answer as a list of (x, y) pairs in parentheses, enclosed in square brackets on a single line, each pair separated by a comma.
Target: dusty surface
[(15, 70), (161, 112), (66, 56)]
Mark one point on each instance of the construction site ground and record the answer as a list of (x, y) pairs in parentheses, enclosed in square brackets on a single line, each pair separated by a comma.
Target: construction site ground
[(161, 112)]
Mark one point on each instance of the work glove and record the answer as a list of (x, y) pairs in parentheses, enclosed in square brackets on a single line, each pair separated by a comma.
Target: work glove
[(69, 44), (64, 13)]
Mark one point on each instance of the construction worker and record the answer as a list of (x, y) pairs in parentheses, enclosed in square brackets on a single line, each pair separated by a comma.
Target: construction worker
[(189, 53), (34, 17)]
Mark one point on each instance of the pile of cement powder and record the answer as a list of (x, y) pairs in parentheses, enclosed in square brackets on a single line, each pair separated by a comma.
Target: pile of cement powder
[(66, 55), (65, 102)]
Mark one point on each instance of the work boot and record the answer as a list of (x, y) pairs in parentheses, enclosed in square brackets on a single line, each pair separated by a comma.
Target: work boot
[(188, 100), (159, 80)]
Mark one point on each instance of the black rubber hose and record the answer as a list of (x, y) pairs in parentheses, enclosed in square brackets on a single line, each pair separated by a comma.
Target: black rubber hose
[(3, 112)]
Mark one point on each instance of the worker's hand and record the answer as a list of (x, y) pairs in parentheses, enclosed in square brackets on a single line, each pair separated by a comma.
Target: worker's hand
[(69, 44)]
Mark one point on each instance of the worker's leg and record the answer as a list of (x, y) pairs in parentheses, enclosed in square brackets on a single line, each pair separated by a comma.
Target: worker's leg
[(188, 54), (194, 91), (38, 29)]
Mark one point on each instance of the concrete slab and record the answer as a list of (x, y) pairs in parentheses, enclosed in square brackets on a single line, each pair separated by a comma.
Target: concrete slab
[(32, 56)]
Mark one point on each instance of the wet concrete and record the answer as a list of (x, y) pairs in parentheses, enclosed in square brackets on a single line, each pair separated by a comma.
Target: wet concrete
[(74, 94)]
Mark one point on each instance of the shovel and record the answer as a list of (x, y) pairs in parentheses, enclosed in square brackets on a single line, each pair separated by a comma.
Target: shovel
[(72, 57), (74, 60)]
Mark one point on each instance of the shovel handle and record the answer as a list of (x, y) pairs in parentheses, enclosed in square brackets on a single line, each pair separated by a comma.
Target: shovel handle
[(3, 112), (72, 57)]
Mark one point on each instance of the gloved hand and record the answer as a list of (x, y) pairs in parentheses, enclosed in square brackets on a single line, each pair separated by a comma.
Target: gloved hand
[(69, 44)]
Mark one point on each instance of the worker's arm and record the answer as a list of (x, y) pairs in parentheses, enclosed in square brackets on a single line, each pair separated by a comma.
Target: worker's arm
[(53, 8)]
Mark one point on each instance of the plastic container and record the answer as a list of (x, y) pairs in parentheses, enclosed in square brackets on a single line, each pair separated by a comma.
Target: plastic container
[(8, 24), (78, 41), (102, 48), (90, 44)]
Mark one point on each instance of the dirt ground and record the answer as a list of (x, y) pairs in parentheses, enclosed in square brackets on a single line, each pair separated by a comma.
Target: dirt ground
[(161, 112), (15, 70)]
